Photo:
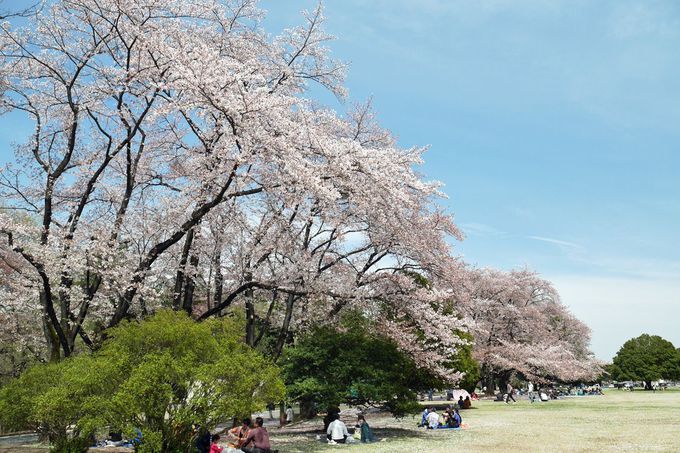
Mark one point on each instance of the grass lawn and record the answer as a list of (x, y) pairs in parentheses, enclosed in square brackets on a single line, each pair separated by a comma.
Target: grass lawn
[(619, 421)]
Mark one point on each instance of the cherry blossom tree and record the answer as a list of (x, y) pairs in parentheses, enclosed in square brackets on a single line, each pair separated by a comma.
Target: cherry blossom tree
[(520, 326), (175, 160)]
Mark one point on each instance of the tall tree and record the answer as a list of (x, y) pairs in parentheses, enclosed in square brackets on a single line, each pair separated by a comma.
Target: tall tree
[(172, 138), (646, 358), (520, 326)]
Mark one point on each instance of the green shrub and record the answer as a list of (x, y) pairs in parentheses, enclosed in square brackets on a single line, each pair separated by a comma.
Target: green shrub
[(161, 376), (354, 366)]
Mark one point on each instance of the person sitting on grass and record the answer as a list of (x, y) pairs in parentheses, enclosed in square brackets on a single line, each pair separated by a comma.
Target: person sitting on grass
[(449, 416), (259, 437), (237, 434), (423, 420), (467, 404), (456, 420), (460, 402), (214, 447), (444, 418), (432, 419), (337, 431), (202, 442), (366, 433)]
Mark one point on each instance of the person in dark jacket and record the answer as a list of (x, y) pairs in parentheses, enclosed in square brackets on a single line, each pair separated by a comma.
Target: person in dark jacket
[(203, 438), (366, 433), (456, 420)]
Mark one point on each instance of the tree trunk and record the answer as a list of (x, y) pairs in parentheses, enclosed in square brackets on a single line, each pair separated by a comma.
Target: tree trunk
[(190, 285), (307, 409), (51, 340), (488, 380), (283, 334), (250, 317), (282, 413), (265, 323), (181, 269), (219, 278)]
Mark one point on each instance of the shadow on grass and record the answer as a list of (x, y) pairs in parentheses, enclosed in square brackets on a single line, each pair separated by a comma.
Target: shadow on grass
[(308, 440)]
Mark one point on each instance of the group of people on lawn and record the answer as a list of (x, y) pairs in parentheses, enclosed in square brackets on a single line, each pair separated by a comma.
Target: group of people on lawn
[(251, 437), (337, 433), (248, 437), (450, 418)]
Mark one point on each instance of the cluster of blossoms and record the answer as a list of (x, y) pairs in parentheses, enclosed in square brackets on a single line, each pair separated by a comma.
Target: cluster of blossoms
[(520, 325), (177, 161)]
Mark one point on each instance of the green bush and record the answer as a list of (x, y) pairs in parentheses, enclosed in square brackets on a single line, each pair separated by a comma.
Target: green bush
[(161, 376), (463, 361), (646, 358), (354, 366)]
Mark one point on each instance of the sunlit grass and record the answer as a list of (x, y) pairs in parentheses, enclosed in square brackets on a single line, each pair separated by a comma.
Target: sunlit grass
[(620, 421)]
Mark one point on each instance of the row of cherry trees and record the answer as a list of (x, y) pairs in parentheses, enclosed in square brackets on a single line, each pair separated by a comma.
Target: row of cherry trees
[(176, 159), (520, 326)]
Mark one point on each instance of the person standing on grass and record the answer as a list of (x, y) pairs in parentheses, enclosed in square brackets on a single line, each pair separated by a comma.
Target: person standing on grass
[(510, 396), (289, 415), (530, 389)]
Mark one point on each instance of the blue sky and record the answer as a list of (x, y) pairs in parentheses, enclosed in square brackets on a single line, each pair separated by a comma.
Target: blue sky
[(555, 126)]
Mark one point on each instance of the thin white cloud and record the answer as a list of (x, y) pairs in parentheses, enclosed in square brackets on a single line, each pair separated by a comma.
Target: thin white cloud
[(558, 242), (619, 265), (480, 229)]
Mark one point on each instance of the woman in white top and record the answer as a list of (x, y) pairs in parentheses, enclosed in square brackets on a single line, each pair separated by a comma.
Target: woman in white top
[(432, 419)]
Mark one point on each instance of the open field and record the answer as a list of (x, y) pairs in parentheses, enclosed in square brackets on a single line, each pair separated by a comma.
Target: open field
[(620, 421)]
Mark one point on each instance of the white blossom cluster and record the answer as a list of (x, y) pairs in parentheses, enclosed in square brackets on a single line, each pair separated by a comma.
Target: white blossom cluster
[(177, 160)]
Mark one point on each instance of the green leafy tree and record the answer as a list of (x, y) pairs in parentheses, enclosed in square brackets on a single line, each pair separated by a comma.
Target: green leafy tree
[(356, 366), (160, 376), (646, 358), (463, 361)]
